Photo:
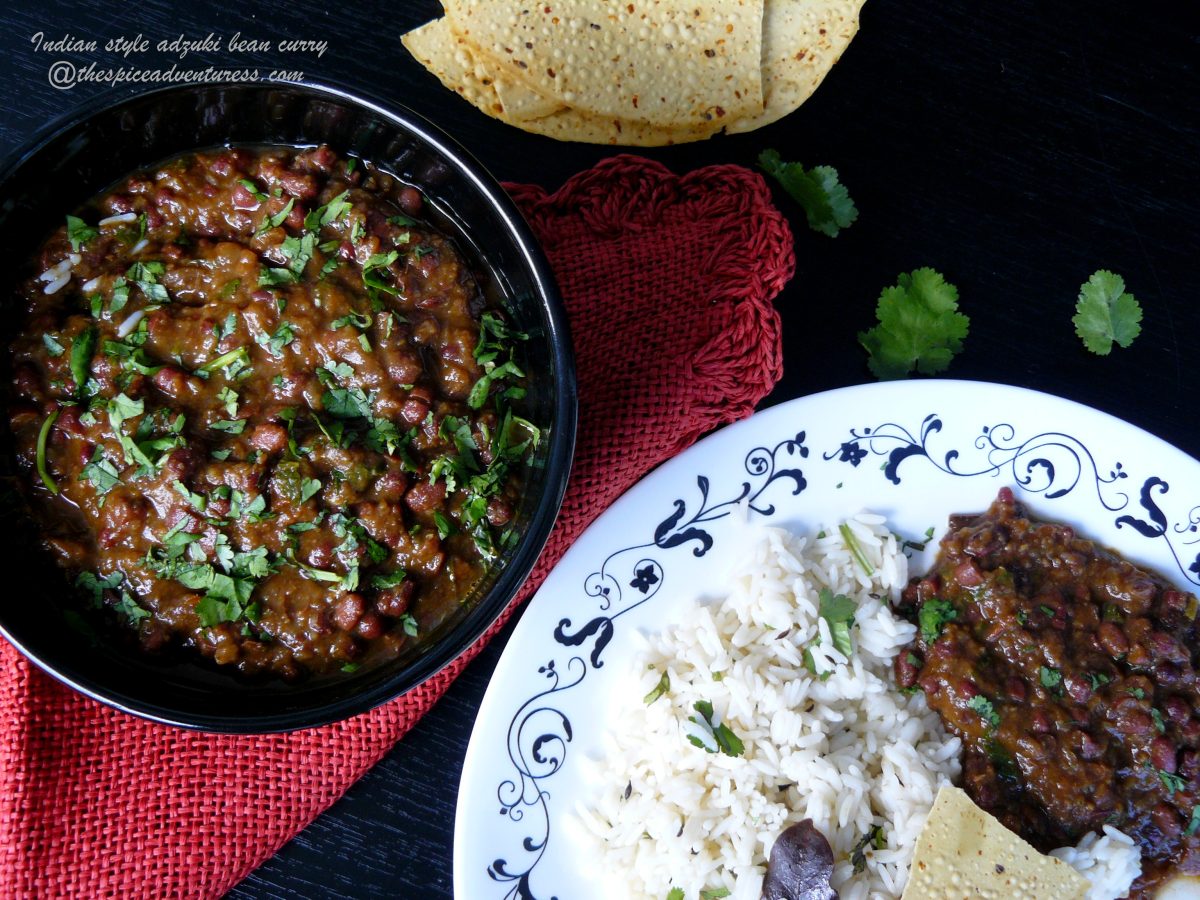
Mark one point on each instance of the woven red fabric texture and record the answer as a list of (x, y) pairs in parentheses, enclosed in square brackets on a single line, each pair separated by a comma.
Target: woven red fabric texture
[(668, 283)]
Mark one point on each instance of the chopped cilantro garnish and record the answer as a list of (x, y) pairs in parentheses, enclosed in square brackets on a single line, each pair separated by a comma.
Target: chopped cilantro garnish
[(82, 348), (253, 188), (855, 549), (409, 624), (374, 281), (873, 839), (145, 276), (198, 502), (309, 488), (983, 706), (347, 403), (1171, 782), (1106, 314), (494, 332), (479, 393), (273, 276), (100, 472), (826, 202), (919, 326), (275, 343), (120, 294), (79, 232), (445, 527), (1194, 823), (934, 614), (664, 685), (713, 736), (229, 426), (280, 217), (299, 251), (228, 398), (358, 320), (96, 586), (329, 213), (1051, 678), (1159, 724), (129, 608), (390, 580), (838, 611), (718, 893), (229, 360)]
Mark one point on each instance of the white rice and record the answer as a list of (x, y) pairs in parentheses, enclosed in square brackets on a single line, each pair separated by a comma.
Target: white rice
[(850, 752), (1111, 862), (119, 219), (57, 276)]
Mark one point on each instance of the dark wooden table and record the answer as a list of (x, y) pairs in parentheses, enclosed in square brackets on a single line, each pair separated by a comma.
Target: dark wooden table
[(1017, 147)]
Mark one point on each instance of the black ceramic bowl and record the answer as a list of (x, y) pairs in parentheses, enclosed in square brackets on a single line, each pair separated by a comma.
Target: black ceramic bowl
[(88, 151)]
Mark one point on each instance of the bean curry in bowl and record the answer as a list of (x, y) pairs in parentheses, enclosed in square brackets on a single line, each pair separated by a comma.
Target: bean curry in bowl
[(287, 427), (269, 412)]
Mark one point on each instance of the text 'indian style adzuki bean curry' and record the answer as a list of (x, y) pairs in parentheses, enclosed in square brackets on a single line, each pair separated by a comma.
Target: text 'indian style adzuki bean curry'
[(266, 412), (1071, 676)]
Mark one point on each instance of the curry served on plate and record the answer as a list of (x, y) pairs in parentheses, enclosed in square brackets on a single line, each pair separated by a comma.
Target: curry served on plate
[(1069, 674), (1051, 679), (265, 410)]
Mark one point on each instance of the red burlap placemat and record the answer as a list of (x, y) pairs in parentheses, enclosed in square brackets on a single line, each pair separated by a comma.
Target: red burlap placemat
[(668, 283)]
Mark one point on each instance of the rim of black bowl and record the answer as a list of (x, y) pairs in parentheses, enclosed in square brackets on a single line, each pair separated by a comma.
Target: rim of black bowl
[(458, 639)]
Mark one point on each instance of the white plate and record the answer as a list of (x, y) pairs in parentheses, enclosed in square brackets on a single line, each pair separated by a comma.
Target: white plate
[(913, 451)]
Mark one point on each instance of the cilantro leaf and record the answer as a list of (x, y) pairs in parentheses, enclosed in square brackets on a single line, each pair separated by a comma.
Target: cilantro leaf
[(664, 685), (919, 326), (358, 320), (1105, 313), (52, 345), (280, 217), (711, 734), (983, 706), (445, 527), (235, 357), (838, 610), (934, 614), (145, 276), (83, 347), (1194, 822), (229, 426), (96, 586), (79, 232), (1171, 782), (826, 201), (872, 839), (129, 608), (390, 580), (100, 472), (275, 343), (253, 189), (1051, 679), (347, 403), (309, 488)]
